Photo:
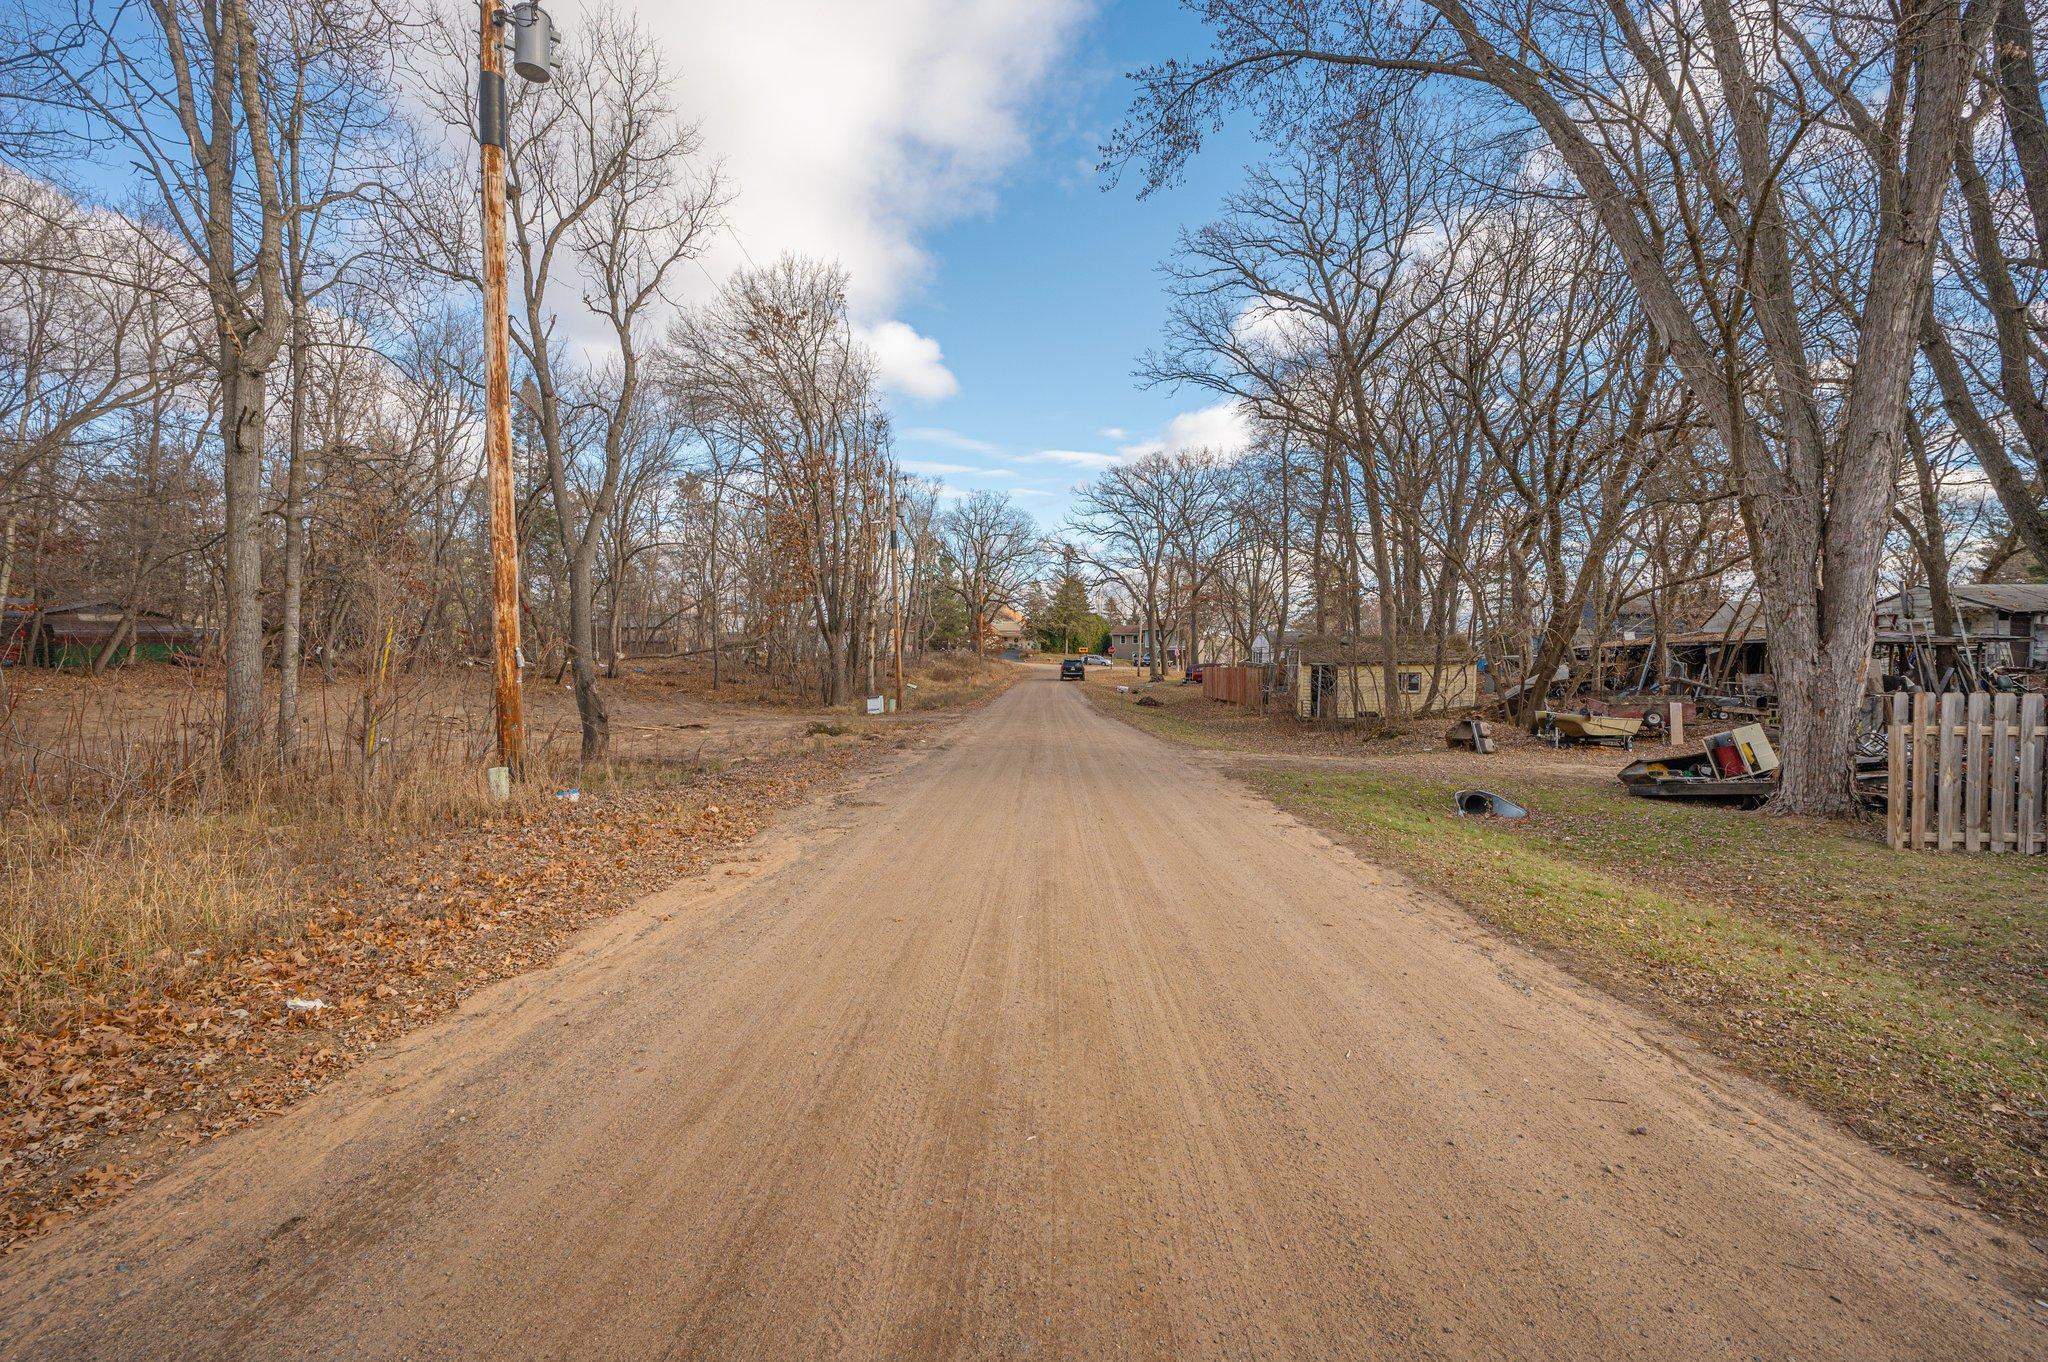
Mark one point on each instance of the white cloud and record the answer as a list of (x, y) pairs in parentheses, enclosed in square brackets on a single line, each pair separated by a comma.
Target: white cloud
[(1222, 430), (1073, 458), (850, 127), (950, 439), (1114, 433), (1277, 327), (908, 363)]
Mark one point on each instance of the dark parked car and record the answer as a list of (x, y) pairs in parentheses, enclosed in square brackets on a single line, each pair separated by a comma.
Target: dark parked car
[(1073, 669), (1194, 675)]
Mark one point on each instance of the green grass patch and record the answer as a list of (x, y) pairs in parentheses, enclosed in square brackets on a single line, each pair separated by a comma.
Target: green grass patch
[(1169, 720), (1903, 994)]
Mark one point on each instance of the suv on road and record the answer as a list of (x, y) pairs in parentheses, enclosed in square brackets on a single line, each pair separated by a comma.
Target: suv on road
[(1073, 669)]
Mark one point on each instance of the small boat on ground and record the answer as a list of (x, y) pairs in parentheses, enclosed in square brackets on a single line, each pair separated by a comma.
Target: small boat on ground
[(1737, 767), (1576, 729)]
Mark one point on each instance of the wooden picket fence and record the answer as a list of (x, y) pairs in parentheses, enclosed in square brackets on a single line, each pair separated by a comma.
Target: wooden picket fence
[(1968, 773)]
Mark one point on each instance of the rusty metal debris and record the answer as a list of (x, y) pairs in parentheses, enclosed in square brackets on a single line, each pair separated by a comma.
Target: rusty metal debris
[(1474, 734)]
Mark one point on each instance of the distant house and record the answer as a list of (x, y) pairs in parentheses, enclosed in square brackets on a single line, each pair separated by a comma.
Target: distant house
[(1132, 643), (1007, 627), (647, 637), (1266, 650), (75, 633), (1727, 650), (1999, 624), (1630, 623)]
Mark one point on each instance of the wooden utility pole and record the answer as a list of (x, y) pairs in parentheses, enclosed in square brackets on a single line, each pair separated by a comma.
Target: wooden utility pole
[(895, 591), (511, 713)]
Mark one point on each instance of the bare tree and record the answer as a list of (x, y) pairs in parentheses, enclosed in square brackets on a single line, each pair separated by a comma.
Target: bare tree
[(606, 197), (86, 332), (1123, 523), (997, 553), (1705, 141), (773, 363), (339, 144), (180, 88), (1291, 301)]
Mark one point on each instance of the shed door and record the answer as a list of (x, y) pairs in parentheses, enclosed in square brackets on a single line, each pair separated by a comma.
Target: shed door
[(1322, 687)]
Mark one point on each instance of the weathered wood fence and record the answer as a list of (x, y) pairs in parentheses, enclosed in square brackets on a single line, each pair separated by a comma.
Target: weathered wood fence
[(1968, 773), (1238, 685)]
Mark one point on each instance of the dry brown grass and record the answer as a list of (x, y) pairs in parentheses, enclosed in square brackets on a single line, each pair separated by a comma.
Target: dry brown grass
[(123, 839), (951, 680), (938, 681), (125, 843)]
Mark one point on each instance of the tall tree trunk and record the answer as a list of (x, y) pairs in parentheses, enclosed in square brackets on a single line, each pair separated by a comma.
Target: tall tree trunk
[(242, 641), (1279, 649), (112, 647), (613, 633), (1148, 642), (590, 709), (290, 626), (711, 578), (1393, 704), (7, 560), (837, 683)]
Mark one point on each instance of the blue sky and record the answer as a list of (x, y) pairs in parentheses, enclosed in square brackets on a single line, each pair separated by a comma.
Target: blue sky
[(1044, 302), (944, 151)]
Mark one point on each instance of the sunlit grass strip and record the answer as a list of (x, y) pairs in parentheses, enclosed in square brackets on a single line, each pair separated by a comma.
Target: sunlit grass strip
[(1950, 1079)]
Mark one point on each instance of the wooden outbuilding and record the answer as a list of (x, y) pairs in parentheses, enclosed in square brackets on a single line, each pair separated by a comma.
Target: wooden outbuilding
[(75, 633), (1342, 682)]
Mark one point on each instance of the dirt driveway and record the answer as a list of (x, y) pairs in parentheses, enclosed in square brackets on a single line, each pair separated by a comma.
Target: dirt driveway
[(1045, 1043)]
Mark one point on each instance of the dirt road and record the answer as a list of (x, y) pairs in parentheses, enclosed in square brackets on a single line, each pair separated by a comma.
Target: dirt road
[(1047, 1043)]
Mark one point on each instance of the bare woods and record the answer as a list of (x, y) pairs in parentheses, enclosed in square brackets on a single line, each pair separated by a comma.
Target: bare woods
[(240, 387), (1572, 309)]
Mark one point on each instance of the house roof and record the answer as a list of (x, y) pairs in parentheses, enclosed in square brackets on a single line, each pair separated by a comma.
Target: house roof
[(2012, 597), (79, 603), (1732, 620), (2020, 597), (1365, 651), (145, 618)]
